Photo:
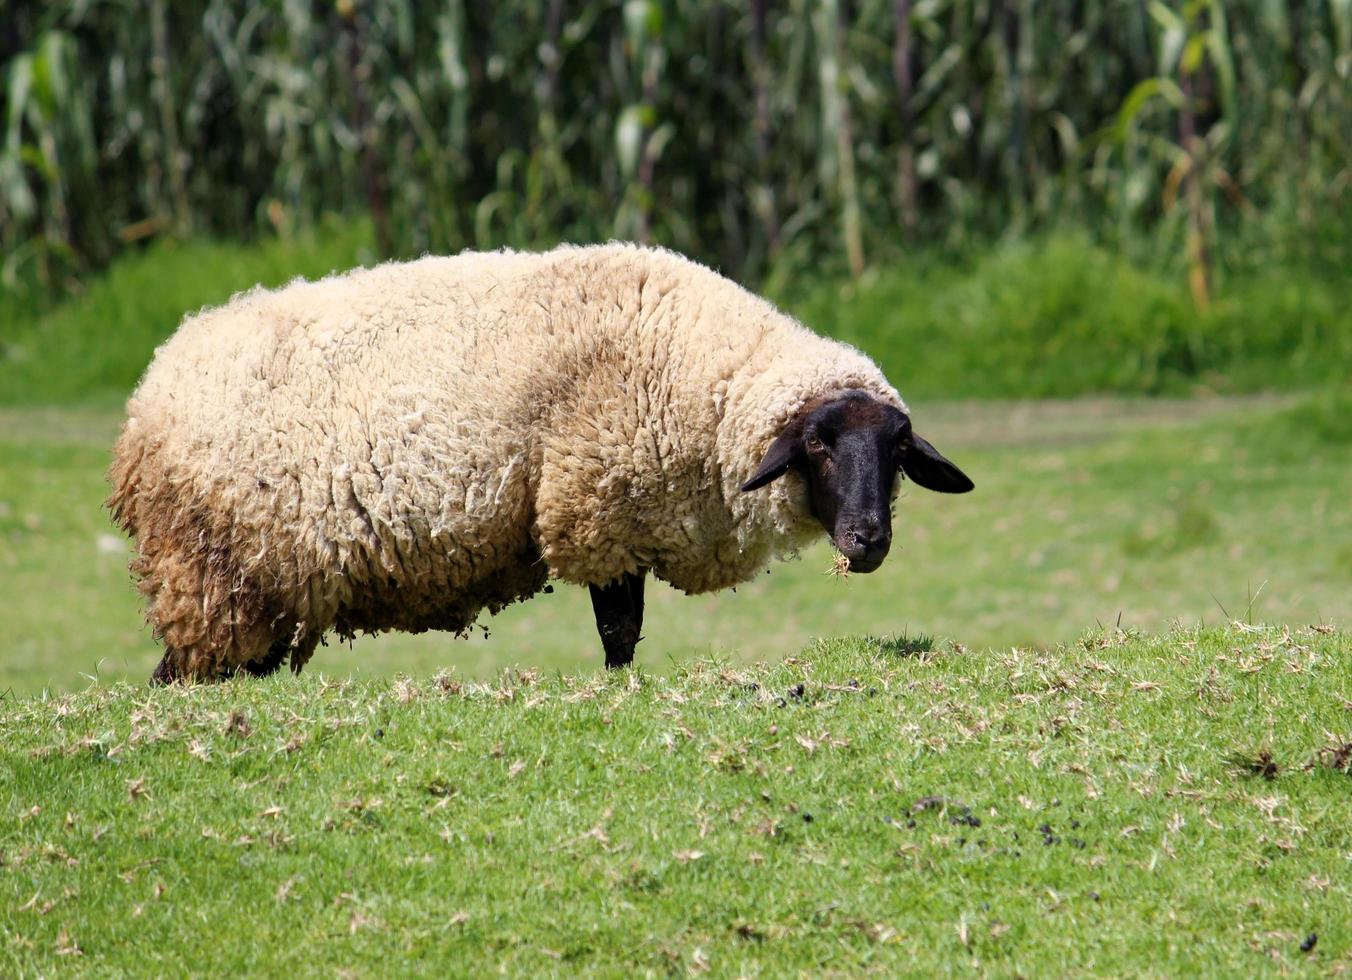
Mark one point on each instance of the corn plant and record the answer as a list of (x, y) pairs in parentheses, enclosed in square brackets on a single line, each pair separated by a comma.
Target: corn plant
[(758, 135)]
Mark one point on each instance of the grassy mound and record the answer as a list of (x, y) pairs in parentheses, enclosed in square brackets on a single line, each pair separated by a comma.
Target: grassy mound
[(1126, 804), (1061, 317), (1053, 317)]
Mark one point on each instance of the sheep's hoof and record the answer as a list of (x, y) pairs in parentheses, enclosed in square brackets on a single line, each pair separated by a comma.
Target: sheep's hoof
[(620, 654)]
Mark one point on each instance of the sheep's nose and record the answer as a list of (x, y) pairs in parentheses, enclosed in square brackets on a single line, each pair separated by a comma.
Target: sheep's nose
[(865, 544), (872, 542)]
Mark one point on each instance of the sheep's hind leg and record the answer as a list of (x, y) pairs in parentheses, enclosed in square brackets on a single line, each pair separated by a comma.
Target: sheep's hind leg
[(168, 670), (270, 661), (299, 648), (179, 666), (619, 617)]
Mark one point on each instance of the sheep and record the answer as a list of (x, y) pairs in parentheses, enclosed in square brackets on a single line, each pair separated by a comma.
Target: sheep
[(407, 446)]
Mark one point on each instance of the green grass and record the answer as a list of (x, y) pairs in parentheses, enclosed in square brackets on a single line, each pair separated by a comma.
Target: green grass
[(1125, 805), (1062, 317), (1053, 317), (1163, 804), (1138, 512)]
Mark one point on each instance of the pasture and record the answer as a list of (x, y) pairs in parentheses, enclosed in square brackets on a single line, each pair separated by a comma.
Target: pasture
[(1096, 714), (1093, 719), (1112, 512), (1124, 804)]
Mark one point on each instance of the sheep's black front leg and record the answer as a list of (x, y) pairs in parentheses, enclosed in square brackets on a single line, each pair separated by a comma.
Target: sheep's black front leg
[(636, 597), (619, 617)]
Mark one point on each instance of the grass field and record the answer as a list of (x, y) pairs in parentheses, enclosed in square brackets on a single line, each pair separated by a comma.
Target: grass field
[(939, 770), (1131, 512), (1060, 317), (1121, 806), (1053, 317)]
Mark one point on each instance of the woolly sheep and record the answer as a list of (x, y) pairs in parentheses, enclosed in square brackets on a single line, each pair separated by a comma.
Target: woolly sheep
[(405, 446)]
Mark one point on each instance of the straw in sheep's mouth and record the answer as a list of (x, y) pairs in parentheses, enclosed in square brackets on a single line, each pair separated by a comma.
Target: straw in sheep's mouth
[(842, 565)]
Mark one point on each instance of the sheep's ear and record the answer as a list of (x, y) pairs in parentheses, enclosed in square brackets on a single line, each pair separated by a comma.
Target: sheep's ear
[(927, 468), (782, 453)]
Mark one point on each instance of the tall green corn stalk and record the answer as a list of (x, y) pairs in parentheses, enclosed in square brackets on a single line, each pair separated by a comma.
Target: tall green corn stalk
[(837, 152), (1196, 81), (782, 132), (904, 79)]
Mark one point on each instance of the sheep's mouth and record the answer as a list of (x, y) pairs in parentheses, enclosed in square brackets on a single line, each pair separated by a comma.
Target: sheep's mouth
[(864, 560), (865, 553), (863, 564)]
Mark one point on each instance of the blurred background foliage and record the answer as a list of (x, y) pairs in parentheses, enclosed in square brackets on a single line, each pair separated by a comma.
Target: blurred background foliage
[(765, 138)]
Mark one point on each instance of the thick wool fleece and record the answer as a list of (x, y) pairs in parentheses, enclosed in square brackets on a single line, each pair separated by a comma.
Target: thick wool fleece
[(402, 447)]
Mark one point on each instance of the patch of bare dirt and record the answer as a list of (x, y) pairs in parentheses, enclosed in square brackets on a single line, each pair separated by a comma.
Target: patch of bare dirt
[(1070, 422)]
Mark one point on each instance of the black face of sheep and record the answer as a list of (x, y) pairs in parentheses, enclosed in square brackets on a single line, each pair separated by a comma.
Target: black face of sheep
[(849, 449)]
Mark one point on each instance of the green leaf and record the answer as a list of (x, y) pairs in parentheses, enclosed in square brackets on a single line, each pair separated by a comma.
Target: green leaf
[(1193, 53), (629, 139), (1139, 97), (20, 83)]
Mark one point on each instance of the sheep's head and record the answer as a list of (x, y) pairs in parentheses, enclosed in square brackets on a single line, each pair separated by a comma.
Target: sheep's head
[(849, 449)]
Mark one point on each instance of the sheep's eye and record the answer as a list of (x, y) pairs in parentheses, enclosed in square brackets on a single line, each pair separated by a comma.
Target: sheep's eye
[(815, 445)]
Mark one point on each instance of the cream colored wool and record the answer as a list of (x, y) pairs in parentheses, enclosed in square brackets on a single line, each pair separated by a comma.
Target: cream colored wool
[(401, 447)]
